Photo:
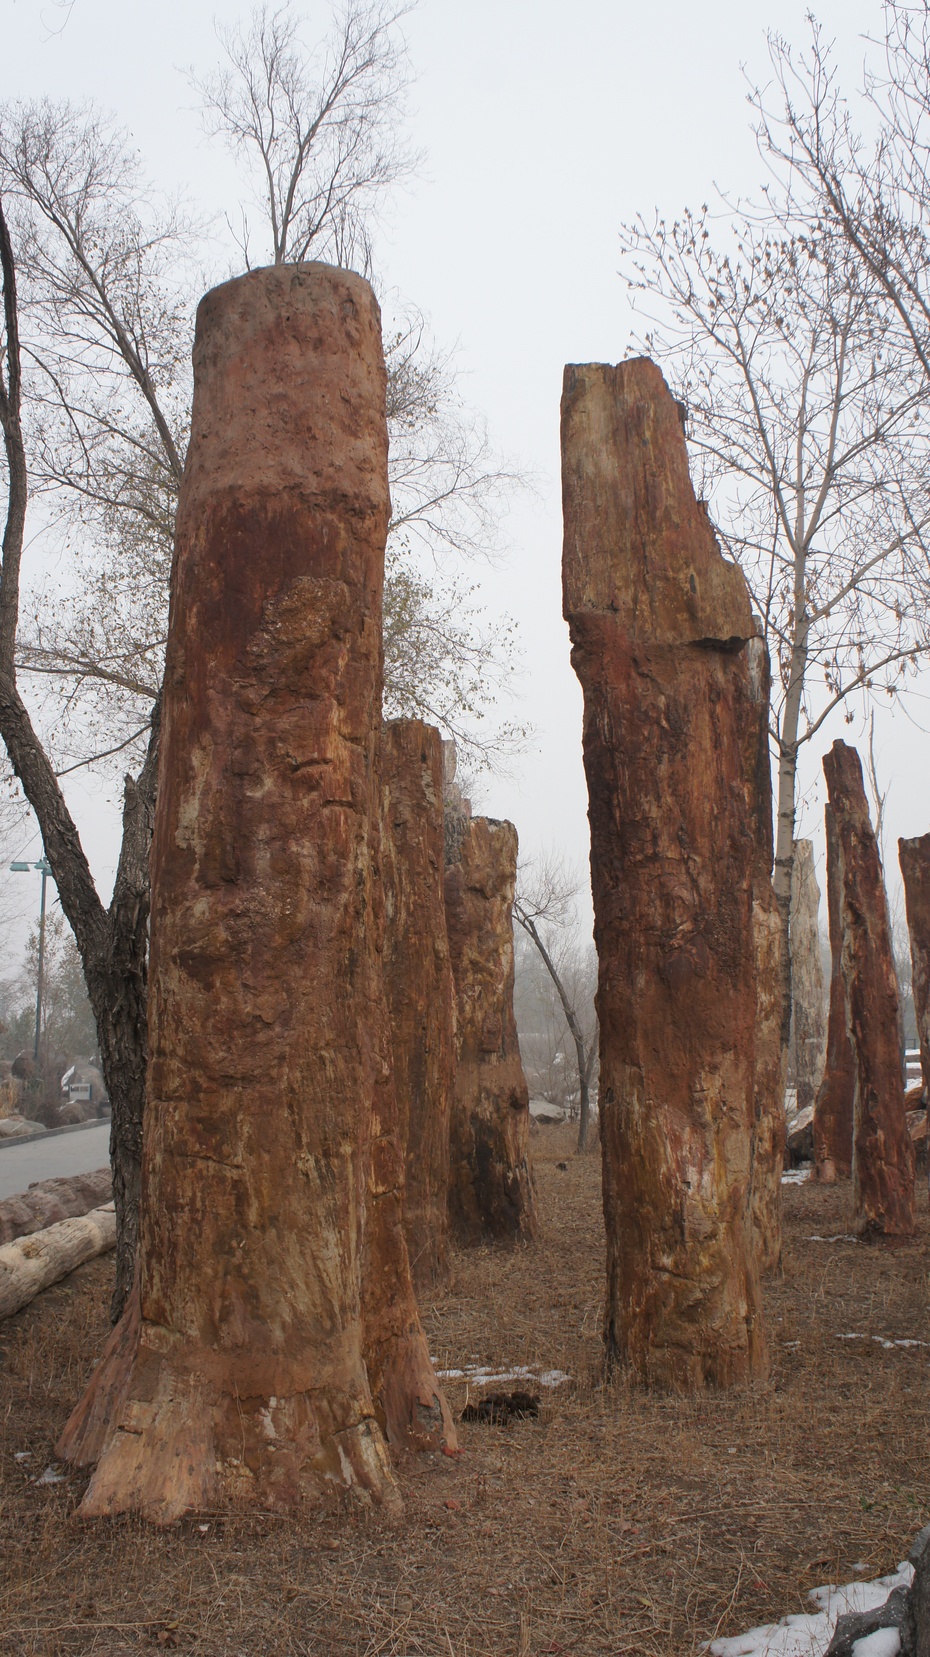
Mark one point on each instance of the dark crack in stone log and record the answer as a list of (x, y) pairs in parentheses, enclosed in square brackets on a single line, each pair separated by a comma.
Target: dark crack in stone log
[(492, 1194), (914, 857), (419, 983), (659, 623), (808, 1033), (883, 1155), (238, 1376), (835, 1103), (768, 1140)]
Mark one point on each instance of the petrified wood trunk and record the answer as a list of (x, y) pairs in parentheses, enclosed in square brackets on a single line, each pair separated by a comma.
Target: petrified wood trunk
[(418, 978), (768, 1140), (807, 997), (491, 1188), (269, 1070), (834, 1105), (659, 625), (883, 1156), (33, 1263), (914, 857), (49, 1200)]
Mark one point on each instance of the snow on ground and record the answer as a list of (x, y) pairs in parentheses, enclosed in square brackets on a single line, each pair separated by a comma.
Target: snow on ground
[(796, 1176), (881, 1341), (809, 1635), (489, 1377)]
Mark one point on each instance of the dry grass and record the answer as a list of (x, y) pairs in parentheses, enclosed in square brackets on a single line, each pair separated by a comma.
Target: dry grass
[(616, 1523)]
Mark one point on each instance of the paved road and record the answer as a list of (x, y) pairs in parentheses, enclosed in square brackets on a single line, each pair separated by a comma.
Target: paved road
[(60, 1153)]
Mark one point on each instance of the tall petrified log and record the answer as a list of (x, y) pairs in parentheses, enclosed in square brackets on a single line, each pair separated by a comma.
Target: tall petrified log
[(914, 857), (491, 1189), (883, 1156), (419, 982), (659, 625), (241, 1372), (770, 1051), (807, 997), (835, 1102)]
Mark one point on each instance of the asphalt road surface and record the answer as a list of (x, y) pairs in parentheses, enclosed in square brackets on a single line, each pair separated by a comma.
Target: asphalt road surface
[(47, 1158)]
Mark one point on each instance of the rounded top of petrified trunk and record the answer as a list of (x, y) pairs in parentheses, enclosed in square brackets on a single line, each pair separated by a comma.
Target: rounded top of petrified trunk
[(637, 542), (289, 388)]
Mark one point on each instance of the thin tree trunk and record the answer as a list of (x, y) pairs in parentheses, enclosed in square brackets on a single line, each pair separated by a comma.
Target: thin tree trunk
[(584, 1103)]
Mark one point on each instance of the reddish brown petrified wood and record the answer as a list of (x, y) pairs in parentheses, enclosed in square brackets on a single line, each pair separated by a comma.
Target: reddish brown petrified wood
[(269, 1073), (883, 1156), (660, 623), (491, 1189), (914, 857), (834, 1106), (419, 983)]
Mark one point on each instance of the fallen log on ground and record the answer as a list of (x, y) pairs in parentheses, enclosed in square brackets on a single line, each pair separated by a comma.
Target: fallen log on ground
[(32, 1264), (50, 1200)]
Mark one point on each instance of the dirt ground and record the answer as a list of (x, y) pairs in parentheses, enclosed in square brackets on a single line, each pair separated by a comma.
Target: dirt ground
[(615, 1523)]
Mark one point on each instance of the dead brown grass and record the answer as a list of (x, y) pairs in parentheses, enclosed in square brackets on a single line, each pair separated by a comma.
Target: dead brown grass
[(616, 1523)]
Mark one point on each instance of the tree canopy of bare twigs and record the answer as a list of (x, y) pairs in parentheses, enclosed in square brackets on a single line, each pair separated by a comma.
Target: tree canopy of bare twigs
[(810, 433)]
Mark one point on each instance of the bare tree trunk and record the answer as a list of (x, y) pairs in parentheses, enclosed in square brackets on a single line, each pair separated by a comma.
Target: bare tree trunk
[(582, 1059), (914, 858)]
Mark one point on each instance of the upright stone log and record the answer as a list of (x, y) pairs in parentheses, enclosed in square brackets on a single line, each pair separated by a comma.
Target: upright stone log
[(914, 857), (492, 1194), (835, 1102), (240, 1373), (883, 1156), (419, 982), (660, 623), (768, 1139), (807, 993)]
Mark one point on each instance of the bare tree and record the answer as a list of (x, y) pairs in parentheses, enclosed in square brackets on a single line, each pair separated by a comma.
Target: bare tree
[(543, 907), (810, 431)]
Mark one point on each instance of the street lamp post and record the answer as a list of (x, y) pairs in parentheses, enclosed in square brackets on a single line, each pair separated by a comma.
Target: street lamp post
[(45, 870)]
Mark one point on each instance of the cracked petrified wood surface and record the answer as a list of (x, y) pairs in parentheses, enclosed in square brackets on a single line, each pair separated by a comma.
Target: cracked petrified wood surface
[(419, 983), (491, 1190), (807, 990), (659, 624), (270, 1070), (883, 1156), (914, 857), (834, 1105)]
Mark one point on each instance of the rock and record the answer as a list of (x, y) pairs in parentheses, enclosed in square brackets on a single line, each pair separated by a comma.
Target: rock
[(25, 1067), (48, 1201), (19, 1127), (660, 624), (491, 1189), (419, 983), (834, 1105), (858, 1625), (808, 1034), (883, 1156), (801, 1137), (771, 976), (914, 858), (270, 1133)]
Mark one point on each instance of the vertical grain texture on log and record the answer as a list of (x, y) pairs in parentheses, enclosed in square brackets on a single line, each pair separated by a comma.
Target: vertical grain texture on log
[(419, 983), (807, 994), (768, 1139), (269, 1069), (659, 623), (492, 1193), (914, 857), (835, 1103), (883, 1155)]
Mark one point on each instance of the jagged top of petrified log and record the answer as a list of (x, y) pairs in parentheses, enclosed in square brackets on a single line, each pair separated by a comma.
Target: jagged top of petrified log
[(252, 431), (637, 541)]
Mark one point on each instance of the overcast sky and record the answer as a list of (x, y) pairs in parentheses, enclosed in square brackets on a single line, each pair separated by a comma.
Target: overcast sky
[(542, 126)]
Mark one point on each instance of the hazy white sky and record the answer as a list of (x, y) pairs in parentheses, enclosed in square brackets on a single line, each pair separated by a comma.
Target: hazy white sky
[(543, 126)]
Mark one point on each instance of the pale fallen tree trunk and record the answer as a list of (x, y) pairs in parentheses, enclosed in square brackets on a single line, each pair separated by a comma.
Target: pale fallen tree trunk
[(34, 1263), (50, 1200)]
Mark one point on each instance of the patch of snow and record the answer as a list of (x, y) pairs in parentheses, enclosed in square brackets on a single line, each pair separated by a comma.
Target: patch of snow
[(809, 1636), (885, 1642), (51, 1476), (880, 1340), (22, 1455), (840, 1237), (796, 1176)]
